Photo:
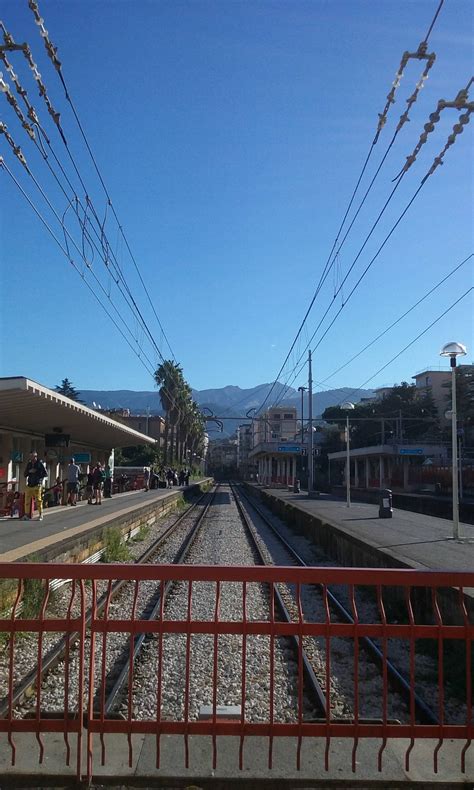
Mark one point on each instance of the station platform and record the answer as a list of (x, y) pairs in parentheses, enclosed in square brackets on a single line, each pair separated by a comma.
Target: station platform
[(20, 539), (411, 540)]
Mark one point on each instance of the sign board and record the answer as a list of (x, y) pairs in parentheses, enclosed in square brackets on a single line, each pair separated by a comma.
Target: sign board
[(410, 451), (288, 448), (16, 456), (82, 458)]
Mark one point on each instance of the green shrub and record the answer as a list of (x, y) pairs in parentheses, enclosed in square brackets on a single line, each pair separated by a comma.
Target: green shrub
[(114, 549)]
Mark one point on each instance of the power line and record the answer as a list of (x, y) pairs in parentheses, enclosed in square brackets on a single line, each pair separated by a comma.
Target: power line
[(71, 261), (400, 318), (423, 332), (10, 45), (420, 54), (52, 54)]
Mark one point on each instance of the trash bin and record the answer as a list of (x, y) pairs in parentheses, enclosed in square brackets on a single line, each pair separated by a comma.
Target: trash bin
[(296, 487), (385, 503)]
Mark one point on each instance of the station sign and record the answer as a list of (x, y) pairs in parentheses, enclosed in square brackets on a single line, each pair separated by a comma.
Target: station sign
[(410, 451), (82, 458), (289, 448)]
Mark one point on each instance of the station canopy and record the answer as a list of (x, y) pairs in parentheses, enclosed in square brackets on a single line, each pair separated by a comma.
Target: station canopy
[(28, 407)]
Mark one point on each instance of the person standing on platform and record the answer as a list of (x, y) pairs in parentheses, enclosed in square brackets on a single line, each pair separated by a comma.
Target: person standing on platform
[(98, 476), (73, 473), (35, 473), (146, 478), (108, 483)]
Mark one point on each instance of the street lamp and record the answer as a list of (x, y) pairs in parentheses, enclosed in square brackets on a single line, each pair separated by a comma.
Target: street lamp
[(453, 350), (347, 407)]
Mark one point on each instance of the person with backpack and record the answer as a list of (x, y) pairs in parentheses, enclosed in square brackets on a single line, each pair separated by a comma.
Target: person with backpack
[(98, 480), (35, 473)]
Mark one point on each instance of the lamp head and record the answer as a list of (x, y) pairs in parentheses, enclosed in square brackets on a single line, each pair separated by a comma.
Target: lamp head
[(347, 406), (453, 350)]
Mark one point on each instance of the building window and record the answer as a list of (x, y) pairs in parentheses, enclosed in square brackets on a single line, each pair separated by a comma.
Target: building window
[(276, 417), (288, 416), (427, 381)]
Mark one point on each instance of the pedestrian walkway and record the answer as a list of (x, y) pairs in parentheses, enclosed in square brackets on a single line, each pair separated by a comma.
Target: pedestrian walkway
[(20, 538), (413, 539)]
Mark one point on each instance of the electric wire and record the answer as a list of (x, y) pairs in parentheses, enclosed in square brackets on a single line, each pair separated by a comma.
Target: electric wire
[(34, 117), (329, 265), (400, 318), (71, 261), (423, 332), (52, 53)]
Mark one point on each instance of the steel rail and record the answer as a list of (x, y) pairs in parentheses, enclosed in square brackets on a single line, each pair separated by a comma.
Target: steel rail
[(423, 711), (315, 688), (124, 672), (53, 657)]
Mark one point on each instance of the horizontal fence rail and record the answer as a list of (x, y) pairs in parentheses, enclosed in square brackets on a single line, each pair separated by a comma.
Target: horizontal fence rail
[(414, 608)]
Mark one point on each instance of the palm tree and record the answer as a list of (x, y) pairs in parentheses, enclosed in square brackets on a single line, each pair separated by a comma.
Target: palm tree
[(169, 378)]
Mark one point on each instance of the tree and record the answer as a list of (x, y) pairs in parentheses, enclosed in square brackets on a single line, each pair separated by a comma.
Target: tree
[(400, 414), (169, 378), (67, 389)]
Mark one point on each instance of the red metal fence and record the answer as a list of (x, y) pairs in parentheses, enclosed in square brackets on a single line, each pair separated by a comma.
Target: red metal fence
[(409, 606)]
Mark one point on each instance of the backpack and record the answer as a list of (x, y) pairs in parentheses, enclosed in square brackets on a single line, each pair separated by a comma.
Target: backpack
[(102, 476)]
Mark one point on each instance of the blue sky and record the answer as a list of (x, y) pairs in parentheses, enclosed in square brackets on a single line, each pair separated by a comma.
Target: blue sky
[(230, 136)]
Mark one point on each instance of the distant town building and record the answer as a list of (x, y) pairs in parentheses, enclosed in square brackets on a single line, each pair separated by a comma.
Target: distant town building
[(244, 446), (276, 425), (222, 458)]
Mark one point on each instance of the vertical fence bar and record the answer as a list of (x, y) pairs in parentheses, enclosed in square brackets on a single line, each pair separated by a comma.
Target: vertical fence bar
[(187, 676), (439, 623), (272, 672), (215, 677), (131, 669), (355, 615), (11, 660), (411, 620), (41, 618), (90, 704), (300, 675), (244, 675), (105, 617), (66, 672), (328, 675), (81, 673), (468, 677), (384, 675), (159, 691)]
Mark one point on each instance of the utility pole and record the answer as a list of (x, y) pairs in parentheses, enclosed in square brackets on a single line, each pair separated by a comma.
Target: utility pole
[(310, 427)]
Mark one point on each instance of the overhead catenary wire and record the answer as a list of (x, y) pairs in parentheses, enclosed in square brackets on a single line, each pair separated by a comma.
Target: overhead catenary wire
[(141, 357), (35, 120), (423, 182), (52, 53), (423, 332), (400, 318), (420, 54)]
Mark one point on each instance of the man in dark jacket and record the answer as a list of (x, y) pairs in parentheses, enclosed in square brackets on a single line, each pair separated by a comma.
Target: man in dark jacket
[(35, 473)]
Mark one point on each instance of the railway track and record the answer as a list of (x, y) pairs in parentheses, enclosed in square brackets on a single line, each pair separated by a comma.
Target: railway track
[(60, 652), (401, 685), (312, 701)]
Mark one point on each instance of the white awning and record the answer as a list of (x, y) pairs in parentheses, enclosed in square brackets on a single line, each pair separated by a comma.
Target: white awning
[(28, 407)]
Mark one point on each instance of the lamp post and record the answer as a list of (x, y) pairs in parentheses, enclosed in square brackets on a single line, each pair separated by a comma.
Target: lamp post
[(347, 407), (453, 350)]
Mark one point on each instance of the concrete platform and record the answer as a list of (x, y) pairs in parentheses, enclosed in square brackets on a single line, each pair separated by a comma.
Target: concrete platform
[(255, 772), (411, 540), (63, 524)]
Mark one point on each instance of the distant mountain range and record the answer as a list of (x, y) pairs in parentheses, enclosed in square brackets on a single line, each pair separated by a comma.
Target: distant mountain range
[(225, 402)]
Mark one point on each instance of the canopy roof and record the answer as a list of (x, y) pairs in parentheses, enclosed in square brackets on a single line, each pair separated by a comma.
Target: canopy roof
[(28, 407)]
